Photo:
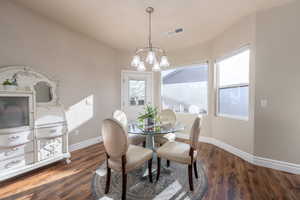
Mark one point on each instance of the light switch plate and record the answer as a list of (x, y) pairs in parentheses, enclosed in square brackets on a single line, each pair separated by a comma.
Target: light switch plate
[(263, 103)]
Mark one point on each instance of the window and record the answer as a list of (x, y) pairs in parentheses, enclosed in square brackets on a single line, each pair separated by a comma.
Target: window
[(185, 89), (137, 91), (233, 85)]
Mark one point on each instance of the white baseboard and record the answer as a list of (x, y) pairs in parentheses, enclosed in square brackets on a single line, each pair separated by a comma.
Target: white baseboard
[(85, 143), (276, 164), (256, 160), (231, 149)]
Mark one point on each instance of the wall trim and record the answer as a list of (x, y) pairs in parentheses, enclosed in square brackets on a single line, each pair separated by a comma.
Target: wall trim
[(278, 165), (231, 149), (85, 143), (256, 160)]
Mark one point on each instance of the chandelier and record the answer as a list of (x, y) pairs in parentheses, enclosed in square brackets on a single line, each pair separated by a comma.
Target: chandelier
[(151, 55)]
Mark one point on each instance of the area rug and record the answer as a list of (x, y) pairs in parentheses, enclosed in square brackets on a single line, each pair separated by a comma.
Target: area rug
[(172, 185)]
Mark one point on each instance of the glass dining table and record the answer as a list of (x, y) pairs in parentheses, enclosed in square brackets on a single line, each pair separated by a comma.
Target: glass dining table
[(150, 132)]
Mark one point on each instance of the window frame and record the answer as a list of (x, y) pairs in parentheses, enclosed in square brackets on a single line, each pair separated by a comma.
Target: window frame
[(207, 63), (218, 88)]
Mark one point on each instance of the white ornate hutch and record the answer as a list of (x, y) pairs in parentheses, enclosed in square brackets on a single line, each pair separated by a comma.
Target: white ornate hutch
[(33, 126)]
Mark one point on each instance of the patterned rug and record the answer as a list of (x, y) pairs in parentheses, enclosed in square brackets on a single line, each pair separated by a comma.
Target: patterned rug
[(172, 185)]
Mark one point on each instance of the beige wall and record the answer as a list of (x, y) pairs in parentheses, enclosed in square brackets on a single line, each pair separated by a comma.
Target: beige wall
[(277, 127), (238, 133), (83, 66)]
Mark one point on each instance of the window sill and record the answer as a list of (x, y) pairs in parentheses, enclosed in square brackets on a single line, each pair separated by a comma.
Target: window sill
[(186, 113), (233, 117)]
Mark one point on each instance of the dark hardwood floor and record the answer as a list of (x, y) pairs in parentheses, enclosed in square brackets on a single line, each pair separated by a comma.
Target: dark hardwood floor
[(229, 178)]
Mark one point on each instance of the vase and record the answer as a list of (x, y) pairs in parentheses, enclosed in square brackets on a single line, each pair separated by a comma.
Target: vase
[(150, 122)]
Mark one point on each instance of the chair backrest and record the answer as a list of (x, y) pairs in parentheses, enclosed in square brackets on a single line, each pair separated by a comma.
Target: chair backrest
[(167, 116), (114, 138), (121, 117), (195, 132)]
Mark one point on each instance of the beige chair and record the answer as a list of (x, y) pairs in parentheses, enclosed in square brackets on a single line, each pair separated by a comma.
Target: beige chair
[(134, 139), (167, 117), (120, 155), (182, 153)]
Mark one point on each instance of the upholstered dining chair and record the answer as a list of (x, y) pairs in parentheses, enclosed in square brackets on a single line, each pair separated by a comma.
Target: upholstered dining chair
[(167, 117), (182, 153), (133, 138), (120, 155)]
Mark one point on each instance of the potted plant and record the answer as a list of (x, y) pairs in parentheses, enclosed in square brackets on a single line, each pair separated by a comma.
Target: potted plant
[(149, 117), (10, 84)]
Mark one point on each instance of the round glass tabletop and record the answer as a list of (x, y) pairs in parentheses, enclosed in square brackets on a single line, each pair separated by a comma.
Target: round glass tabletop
[(155, 129)]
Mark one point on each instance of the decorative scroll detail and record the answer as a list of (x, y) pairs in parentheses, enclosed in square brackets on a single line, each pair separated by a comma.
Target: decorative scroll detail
[(27, 79)]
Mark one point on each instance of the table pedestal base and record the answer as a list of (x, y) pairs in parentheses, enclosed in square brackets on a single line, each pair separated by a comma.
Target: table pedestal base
[(163, 170), (150, 144)]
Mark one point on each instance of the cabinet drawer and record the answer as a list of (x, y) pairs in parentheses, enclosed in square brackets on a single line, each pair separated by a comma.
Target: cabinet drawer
[(50, 132), (49, 148), (15, 151), (16, 162), (15, 139)]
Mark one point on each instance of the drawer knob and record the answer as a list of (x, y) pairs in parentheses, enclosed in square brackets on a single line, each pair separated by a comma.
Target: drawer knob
[(14, 137), (11, 151)]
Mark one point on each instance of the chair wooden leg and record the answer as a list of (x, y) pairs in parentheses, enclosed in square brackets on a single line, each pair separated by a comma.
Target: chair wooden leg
[(190, 171), (124, 185), (108, 175), (158, 168), (144, 144), (168, 163), (150, 170), (124, 177), (195, 169)]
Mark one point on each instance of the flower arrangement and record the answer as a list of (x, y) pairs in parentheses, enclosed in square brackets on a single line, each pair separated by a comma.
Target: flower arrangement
[(150, 114)]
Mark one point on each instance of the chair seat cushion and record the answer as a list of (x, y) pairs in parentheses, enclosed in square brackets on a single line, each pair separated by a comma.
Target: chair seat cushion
[(135, 157), (176, 151), (136, 139), (162, 139)]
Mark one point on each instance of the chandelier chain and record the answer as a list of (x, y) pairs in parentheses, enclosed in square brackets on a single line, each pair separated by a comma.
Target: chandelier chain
[(150, 23)]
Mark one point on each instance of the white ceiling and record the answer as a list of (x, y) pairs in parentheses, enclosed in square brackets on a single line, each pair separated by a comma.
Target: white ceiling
[(122, 24)]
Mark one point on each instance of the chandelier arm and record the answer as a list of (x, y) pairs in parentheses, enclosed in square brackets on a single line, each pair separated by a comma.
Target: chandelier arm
[(148, 48)]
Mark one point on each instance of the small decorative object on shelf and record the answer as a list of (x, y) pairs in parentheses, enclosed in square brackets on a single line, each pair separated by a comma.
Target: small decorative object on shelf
[(150, 116), (10, 84)]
